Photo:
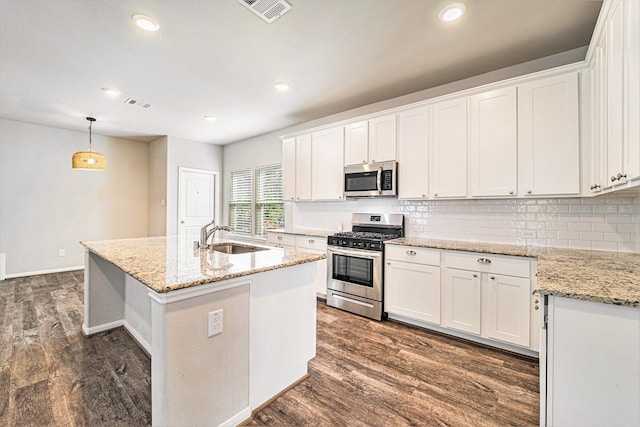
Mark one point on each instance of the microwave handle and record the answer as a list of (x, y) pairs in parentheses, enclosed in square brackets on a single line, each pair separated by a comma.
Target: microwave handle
[(379, 180)]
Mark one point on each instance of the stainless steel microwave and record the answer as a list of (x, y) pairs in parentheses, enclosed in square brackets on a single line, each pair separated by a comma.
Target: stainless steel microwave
[(371, 180)]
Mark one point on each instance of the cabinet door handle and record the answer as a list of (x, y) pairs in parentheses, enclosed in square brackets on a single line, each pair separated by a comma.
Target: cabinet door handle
[(536, 307), (475, 275), (312, 241), (529, 191), (511, 192), (434, 195), (613, 178), (484, 260), (621, 175), (279, 237), (411, 252), (493, 277)]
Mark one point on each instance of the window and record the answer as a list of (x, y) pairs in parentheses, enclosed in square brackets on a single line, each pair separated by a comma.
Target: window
[(269, 206), (240, 201), (254, 216)]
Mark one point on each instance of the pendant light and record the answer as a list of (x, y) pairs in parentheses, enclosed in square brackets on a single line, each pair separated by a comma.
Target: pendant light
[(89, 160)]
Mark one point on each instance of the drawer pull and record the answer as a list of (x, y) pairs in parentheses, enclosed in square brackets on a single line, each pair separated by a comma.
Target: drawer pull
[(312, 241), (411, 252), (493, 277), (475, 275), (484, 260), (279, 237)]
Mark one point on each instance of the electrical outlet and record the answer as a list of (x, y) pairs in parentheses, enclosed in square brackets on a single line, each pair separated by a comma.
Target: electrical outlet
[(215, 323), (60, 252)]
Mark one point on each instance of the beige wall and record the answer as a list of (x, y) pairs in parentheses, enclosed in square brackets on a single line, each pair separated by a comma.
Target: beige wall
[(158, 187), (46, 206)]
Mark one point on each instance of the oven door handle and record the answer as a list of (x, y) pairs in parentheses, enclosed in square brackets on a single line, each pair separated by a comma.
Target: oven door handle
[(360, 254), (379, 180)]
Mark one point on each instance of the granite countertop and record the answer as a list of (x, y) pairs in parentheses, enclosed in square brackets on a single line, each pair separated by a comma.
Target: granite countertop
[(599, 276), (168, 263)]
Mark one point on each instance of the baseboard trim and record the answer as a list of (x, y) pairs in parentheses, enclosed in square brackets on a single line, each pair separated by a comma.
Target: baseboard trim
[(101, 328), (238, 418), (38, 272)]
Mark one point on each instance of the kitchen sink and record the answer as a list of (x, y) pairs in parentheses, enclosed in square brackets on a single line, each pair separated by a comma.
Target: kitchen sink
[(235, 248)]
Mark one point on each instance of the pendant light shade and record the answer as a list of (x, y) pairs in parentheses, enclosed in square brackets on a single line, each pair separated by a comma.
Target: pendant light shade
[(89, 160)]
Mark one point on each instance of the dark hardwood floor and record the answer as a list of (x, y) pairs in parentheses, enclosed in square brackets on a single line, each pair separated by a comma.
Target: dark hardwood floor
[(365, 373)]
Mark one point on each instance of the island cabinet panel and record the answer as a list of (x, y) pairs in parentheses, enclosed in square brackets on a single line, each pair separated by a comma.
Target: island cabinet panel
[(188, 368), (493, 143), (448, 165), (413, 139), (327, 170), (549, 137), (590, 371)]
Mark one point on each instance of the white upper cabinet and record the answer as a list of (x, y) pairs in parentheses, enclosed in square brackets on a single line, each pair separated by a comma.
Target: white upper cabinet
[(631, 52), (615, 79), (327, 168), (303, 168), (413, 134), (448, 165), (382, 139), (549, 137), (370, 141), (289, 168), (493, 141), (356, 143)]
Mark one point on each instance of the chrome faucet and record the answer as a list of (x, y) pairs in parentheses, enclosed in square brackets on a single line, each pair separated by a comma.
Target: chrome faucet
[(205, 233)]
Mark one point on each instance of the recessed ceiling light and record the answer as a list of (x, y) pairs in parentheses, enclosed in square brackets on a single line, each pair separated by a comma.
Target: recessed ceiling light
[(452, 12), (282, 86), (110, 91), (210, 118), (146, 22)]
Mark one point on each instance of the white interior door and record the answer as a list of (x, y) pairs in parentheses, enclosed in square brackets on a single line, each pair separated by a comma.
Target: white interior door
[(196, 201)]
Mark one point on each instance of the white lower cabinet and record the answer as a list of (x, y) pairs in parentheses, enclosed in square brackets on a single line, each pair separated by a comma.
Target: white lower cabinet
[(412, 289), (462, 295), (485, 297), (507, 302)]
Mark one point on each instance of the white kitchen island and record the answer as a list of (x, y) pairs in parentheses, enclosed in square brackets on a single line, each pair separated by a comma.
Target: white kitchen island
[(163, 291)]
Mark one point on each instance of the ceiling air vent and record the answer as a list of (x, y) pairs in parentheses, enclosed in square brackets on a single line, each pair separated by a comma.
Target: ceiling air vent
[(140, 104), (269, 10)]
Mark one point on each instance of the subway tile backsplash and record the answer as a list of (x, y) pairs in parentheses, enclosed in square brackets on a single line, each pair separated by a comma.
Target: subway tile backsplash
[(601, 223)]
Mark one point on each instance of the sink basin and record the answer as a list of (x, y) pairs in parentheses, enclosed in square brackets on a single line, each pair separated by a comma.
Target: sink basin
[(235, 248)]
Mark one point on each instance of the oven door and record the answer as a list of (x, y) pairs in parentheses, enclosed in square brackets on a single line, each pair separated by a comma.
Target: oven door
[(355, 272)]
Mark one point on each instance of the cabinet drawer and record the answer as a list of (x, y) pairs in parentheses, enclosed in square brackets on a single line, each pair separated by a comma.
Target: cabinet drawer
[(308, 242), (488, 263), (281, 239), (412, 254)]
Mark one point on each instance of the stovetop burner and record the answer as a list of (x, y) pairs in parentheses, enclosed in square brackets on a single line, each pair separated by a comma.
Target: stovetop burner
[(368, 233)]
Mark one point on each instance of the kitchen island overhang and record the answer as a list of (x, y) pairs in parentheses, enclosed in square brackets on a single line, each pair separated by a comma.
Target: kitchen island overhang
[(162, 291)]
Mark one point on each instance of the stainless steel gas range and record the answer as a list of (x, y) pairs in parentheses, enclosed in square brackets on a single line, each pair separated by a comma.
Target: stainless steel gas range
[(355, 263)]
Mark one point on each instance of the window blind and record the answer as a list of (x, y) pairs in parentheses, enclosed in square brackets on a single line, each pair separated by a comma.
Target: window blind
[(269, 206), (240, 200)]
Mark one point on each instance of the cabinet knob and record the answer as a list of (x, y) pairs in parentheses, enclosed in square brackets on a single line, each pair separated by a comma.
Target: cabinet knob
[(312, 241), (411, 252), (475, 275), (536, 307), (373, 160), (279, 237), (364, 161), (529, 191), (493, 277), (511, 192), (424, 195), (434, 195), (613, 178), (388, 263), (484, 260), (621, 175)]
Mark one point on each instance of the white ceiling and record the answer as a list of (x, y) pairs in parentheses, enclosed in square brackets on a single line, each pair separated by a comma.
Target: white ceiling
[(216, 57)]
